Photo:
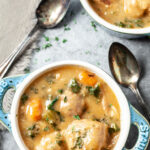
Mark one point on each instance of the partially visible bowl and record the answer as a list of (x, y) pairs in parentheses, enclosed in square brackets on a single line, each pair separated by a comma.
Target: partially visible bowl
[(115, 30)]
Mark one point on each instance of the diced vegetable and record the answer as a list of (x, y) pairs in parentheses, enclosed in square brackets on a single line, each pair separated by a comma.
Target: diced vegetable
[(94, 91), (87, 78), (34, 110), (74, 85)]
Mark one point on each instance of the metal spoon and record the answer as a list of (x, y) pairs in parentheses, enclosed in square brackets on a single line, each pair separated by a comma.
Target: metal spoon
[(126, 71), (49, 14)]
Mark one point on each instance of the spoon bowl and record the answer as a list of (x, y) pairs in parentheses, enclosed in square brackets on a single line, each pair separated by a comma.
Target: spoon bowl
[(123, 65), (126, 71), (51, 12)]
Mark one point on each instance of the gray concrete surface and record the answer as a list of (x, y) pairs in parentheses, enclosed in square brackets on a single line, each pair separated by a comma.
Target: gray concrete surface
[(84, 43)]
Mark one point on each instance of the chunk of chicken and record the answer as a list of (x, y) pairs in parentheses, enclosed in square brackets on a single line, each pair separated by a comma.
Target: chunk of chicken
[(86, 135), (72, 103), (51, 141), (136, 8)]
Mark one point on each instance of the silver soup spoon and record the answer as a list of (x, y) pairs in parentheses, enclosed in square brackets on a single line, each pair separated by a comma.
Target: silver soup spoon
[(49, 14), (126, 71)]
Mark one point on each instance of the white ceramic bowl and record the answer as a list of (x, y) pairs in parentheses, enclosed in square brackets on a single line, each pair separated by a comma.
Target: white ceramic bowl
[(115, 30), (127, 111)]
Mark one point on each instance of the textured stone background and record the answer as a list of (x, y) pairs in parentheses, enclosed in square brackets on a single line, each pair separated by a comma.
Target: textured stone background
[(84, 43)]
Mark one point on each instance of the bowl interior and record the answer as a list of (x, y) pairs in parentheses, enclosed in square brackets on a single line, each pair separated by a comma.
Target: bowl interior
[(124, 108), (110, 26)]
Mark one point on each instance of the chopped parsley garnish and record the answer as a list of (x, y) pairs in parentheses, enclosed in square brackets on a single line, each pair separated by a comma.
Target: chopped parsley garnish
[(87, 52), (76, 117), (94, 90), (98, 64), (47, 45), (67, 28), (64, 41), (110, 105), (114, 128), (93, 24), (65, 99), (37, 49), (79, 143), (74, 85), (50, 106), (32, 127), (130, 23), (31, 134), (46, 128), (56, 39), (35, 90), (27, 70), (46, 38), (121, 24), (60, 91), (24, 98), (60, 116), (59, 142)]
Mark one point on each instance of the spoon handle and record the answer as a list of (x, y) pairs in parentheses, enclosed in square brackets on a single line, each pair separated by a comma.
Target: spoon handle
[(6, 64), (141, 101)]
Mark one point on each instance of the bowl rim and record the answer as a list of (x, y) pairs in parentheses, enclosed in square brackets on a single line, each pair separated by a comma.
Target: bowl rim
[(110, 26), (123, 103)]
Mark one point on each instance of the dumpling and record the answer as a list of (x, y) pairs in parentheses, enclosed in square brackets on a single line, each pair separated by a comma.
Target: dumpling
[(72, 104), (53, 141), (136, 8), (86, 135)]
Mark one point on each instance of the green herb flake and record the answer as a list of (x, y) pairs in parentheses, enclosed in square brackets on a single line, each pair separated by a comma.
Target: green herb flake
[(46, 128), (59, 142), (37, 49), (76, 117), (24, 98), (32, 127), (47, 60), (93, 24), (31, 134), (46, 38), (73, 128), (27, 70), (64, 41), (60, 91), (98, 64), (79, 143), (94, 91), (47, 45), (75, 87), (121, 24), (67, 29), (50, 106), (87, 52), (114, 128), (56, 39), (65, 99), (110, 105)]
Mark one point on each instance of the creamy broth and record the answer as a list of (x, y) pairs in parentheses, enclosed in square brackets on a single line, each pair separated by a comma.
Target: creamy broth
[(69, 108), (124, 13)]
